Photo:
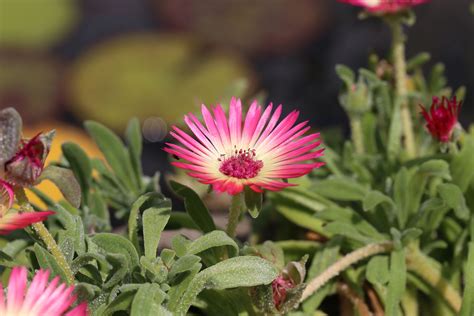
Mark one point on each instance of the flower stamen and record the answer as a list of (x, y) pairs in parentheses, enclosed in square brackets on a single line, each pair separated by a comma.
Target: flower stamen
[(242, 164)]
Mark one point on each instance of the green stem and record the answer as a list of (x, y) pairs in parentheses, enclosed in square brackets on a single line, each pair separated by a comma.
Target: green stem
[(357, 135), (234, 214), (422, 266), (46, 236), (401, 86), (344, 263)]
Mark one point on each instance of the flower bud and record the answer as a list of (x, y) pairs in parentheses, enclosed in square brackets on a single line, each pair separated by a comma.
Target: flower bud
[(26, 166), (442, 118)]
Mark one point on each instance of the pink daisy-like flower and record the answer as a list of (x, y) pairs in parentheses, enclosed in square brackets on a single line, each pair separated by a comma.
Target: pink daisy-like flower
[(39, 298), (230, 153), (442, 118), (11, 220), (385, 6)]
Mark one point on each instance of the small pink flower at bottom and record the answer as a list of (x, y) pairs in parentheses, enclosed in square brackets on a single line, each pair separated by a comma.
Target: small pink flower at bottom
[(257, 151), (280, 287), (442, 118), (385, 6), (39, 298)]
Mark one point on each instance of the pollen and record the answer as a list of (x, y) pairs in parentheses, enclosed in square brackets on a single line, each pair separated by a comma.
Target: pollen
[(242, 164)]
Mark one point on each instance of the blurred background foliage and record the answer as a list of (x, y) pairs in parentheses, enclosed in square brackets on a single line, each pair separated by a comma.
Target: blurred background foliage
[(65, 61)]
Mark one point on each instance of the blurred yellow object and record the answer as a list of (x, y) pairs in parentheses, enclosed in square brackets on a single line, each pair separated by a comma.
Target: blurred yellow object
[(64, 133), (31, 83), (35, 23), (150, 75)]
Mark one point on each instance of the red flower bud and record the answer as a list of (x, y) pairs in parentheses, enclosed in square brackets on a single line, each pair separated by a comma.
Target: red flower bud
[(280, 286), (27, 164), (442, 118)]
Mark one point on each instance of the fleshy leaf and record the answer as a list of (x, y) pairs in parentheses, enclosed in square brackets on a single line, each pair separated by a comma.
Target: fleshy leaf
[(10, 134)]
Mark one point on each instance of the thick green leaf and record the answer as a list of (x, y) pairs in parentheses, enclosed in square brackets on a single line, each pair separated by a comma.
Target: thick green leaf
[(180, 244), (377, 271), (47, 261), (467, 308), (355, 222), (395, 134), (253, 201), (10, 130), (183, 264), (346, 74), (213, 239), (154, 222), (115, 153), (322, 259), (119, 269), (65, 180), (462, 165), (454, 198), (80, 164), (235, 272), (115, 244), (369, 128), (194, 207), (397, 282), (133, 136), (147, 300), (177, 290), (180, 220), (418, 61), (375, 198), (151, 199), (302, 218), (436, 167), (342, 189)]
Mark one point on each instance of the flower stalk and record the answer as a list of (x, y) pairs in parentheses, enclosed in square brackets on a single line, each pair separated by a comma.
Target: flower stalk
[(401, 86), (357, 135), (344, 263), (46, 237), (235, 210)]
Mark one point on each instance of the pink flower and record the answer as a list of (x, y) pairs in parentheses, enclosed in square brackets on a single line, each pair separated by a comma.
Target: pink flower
[(259, 153), (39, 298), (385, 6), (280, 286), (11, 220), (442, 118)]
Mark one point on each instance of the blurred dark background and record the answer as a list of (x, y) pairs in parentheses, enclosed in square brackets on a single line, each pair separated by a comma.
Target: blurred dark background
[(65, 61)]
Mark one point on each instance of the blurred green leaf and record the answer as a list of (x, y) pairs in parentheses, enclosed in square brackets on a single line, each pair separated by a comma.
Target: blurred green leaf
[(194, 207), (115, 153), (65, 181), (462, 165), (80, 165), (467, 307), (10, 129), (397, 282), (322, 259), (454, 198), (253, 201), (133, 137), (342, 189), (377, 271)]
